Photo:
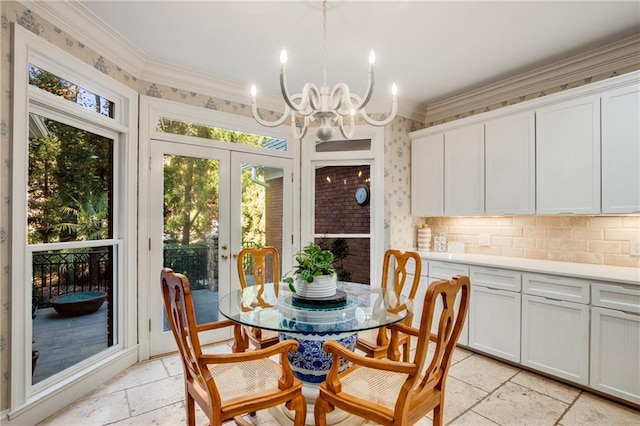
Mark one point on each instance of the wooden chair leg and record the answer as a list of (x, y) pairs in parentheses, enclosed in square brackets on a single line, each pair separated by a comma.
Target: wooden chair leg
[(191, 410), (320, 411), (299, 405), (438, 414)]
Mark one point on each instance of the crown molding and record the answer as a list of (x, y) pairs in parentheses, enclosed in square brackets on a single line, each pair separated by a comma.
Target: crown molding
[(77, 21), (616, 55)]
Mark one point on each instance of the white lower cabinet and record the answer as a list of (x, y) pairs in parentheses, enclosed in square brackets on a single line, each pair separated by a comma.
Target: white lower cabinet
[(555, 337), (615, 341), (615, 353), (494, 312)]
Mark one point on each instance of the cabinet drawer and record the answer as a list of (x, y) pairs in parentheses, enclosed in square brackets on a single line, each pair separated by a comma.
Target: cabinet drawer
[(502, 279), (554, 287), (411, 268), (446, 270), (616, 297)]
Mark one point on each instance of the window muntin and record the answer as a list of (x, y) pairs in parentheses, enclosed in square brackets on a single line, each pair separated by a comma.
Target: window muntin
[(70, 194), (65, 89), (179, 127)]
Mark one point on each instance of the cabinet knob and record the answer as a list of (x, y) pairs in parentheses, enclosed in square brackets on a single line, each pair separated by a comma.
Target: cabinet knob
[(224, 257)]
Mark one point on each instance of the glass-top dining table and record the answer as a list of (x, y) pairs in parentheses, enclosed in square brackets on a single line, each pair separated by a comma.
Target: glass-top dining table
[(365, 308)]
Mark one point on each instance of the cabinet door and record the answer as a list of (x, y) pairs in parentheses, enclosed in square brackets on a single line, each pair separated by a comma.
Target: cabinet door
[(568, 157), (615, 351), (621, 150), (510, 165), (555, 337), (494, 322), (427, 176), (464, 171)]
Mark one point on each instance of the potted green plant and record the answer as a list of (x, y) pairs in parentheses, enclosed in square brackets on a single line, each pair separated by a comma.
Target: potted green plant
[(314, 276)]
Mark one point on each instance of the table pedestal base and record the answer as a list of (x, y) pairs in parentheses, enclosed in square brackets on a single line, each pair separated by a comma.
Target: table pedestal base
[(311, 364)]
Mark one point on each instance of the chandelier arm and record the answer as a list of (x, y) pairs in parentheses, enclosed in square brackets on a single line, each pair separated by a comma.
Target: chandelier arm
[(287, 98), (354, 101), (347, 134), (384, 122), (367, 97), (339, 94), (299, 133), (261, 121)]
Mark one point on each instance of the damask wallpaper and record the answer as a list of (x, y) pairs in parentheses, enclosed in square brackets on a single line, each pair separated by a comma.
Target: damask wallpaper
[(399, 225)]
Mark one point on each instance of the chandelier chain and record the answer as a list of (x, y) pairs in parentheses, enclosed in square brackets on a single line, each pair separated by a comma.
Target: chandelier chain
[(324, 36)]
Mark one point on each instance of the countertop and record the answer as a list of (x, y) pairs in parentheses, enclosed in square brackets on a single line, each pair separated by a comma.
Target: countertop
[(619, 274)]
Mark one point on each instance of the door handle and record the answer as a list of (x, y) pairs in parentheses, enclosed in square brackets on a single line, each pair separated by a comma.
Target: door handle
[(235, 255), (224, 247), (224, 257)]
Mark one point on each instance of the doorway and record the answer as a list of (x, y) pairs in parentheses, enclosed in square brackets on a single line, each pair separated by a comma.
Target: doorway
[(205, 204)]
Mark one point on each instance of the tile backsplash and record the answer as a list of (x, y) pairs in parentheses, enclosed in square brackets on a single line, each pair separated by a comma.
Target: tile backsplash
[(603, 240)]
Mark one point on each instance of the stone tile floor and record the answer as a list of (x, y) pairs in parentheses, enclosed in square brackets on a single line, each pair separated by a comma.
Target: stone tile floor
[(480, 391)]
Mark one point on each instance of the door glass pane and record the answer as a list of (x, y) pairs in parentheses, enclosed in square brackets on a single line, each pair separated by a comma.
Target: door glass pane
[(262, 210), (339, 213), (191, 206)]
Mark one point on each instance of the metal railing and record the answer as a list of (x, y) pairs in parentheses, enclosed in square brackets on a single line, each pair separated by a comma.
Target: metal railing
[(56, 273)]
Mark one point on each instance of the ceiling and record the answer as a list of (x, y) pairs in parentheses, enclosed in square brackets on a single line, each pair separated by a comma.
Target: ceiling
[(432, 49)]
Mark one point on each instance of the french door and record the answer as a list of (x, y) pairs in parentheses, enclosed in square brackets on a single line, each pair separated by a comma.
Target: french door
[(205, 204)]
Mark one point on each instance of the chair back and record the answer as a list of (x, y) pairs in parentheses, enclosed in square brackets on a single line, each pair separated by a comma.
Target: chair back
[(399, 274), (256, 259), (178, 303), (450, 324)]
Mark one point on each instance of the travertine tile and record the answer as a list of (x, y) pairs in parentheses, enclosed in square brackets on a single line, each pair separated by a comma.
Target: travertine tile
[(512, 252), (471, 418), (511, 232), (174, 414), (535, 253), (459, 354), (515, 404), (605, 222), (136, 375), (590, 409), (621, 234), (562, 233), (100, 410), (588, 234), (595, 258), (482, 372), (524, 242), (561, 256), (459, 397), (173, 365), (612, 247), (549, 387), (160, 393), (575, 245), (622, 260), (631, 222), (502, 241)]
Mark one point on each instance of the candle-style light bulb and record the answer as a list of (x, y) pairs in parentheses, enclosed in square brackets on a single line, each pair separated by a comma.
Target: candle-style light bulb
[(394, 90), (372, 57), (283, 57), (254, 91)]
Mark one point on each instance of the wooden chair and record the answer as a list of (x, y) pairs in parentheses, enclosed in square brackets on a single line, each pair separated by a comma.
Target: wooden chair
[(227, 386), (393, 392), (260, 338), (374, 343)]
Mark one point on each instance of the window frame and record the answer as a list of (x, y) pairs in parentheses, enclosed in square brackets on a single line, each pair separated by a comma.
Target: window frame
[(81, 378)]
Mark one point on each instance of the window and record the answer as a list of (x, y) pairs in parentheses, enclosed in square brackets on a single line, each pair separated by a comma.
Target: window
[(74, 229)]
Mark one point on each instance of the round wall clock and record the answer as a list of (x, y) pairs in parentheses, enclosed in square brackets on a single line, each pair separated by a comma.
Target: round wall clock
[(362, 195)]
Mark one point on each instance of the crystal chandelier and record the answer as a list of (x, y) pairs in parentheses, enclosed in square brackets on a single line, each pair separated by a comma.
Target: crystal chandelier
[(325, 106)]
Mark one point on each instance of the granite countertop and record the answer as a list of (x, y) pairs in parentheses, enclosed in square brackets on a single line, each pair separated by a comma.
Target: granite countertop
[(620, 274)]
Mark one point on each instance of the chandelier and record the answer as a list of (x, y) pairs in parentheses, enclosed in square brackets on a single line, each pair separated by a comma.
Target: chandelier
[(327, 107)]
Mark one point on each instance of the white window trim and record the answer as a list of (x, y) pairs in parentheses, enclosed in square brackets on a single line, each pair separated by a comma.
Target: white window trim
[(29, 404)]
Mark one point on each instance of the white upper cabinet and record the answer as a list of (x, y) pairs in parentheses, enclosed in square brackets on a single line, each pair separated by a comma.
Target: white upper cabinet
[(568, 157), (427, 175), (464, 171), (621, 150), (510, 165)]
